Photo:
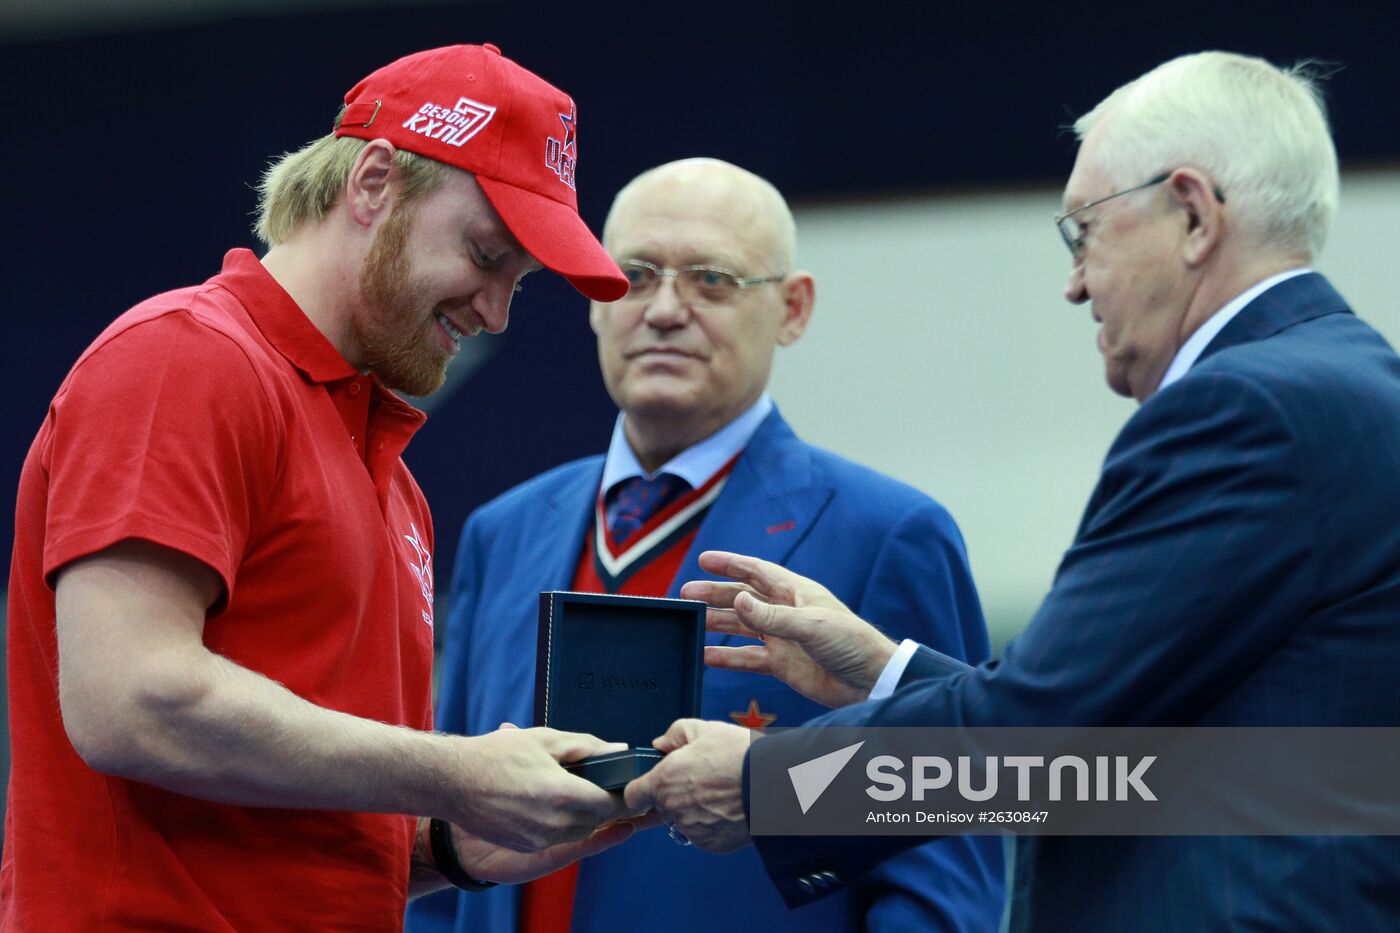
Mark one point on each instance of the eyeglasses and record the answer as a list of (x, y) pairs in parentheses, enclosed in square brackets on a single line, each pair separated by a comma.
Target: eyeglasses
[(704, 285), (1072, 231)]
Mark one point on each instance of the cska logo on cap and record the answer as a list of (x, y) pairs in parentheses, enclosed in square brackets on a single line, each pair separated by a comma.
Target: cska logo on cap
[(561, 155)]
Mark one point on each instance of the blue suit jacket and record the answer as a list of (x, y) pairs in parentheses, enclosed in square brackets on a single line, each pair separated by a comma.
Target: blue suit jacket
[(887, 550), (1238, 564)]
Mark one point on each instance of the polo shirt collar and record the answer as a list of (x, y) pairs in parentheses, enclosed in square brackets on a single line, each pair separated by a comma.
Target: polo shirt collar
[(281, 319)]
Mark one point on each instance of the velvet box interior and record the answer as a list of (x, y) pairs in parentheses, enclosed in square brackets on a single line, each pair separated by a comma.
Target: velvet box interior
[(622, 668)]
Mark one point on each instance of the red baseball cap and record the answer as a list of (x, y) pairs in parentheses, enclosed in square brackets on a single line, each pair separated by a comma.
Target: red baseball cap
[(471, 107)]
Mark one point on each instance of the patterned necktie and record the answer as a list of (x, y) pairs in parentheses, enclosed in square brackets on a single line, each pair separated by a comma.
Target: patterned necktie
[(638, 499)]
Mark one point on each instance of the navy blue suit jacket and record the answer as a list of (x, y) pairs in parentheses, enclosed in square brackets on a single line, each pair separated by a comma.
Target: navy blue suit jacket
[(1238, 564), (883, 547)]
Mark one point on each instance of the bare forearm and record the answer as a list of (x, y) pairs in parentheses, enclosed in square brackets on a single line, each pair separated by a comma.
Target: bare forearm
[(142, 697), (221, 732)]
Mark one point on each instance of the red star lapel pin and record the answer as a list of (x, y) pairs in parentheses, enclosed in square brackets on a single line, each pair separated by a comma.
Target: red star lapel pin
[(753, 717)]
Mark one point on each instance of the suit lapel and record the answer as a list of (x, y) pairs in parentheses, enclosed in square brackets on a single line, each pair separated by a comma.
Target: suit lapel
[(768, 506), (1290, 302), (557, 548)]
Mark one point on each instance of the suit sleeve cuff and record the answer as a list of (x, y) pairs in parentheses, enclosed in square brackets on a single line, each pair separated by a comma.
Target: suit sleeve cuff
[(894, 669)]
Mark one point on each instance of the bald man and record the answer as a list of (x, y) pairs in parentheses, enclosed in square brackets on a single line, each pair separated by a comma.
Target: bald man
[(700, 458)]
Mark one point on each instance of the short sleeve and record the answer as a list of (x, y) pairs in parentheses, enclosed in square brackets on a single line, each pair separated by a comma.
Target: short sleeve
[(163, 432)]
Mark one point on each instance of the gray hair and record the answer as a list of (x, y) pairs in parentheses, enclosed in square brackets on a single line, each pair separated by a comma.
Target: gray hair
[(1260, 132)]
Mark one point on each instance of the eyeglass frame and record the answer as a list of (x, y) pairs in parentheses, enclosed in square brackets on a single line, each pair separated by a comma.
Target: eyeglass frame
[(662, 272), (1076, 243)]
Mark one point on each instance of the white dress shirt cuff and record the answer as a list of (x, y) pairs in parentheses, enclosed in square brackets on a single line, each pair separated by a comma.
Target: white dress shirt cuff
[(889, 677)]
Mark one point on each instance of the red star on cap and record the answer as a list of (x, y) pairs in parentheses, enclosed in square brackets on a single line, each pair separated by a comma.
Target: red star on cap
[(753, 717), (569, 128)]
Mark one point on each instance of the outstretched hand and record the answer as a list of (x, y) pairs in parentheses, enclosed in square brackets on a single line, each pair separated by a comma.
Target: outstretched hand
[(811, 641), (489, 862), (515, 794), (698, 788)]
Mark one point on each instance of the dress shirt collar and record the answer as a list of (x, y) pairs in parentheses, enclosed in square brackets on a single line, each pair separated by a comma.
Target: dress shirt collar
[(1196, 344), (697, 463)]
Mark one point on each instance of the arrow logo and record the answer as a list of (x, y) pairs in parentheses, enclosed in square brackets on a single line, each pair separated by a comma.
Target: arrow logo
[(811, 778)]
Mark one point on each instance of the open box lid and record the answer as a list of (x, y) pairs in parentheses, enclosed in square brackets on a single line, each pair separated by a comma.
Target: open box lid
[(622, 668)]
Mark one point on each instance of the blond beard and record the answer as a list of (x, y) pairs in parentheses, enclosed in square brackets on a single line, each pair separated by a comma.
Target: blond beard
[(394, 333)]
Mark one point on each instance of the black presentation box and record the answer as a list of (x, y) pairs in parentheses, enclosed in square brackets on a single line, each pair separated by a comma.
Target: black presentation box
[(622, 668)]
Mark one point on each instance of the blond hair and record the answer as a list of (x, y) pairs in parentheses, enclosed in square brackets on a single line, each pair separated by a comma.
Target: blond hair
[(299, 188)]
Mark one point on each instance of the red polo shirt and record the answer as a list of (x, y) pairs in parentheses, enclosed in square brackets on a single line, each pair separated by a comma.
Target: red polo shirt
[(216, 420)]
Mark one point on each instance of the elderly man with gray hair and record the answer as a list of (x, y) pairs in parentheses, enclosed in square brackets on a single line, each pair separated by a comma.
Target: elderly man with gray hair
[(1237, 565)]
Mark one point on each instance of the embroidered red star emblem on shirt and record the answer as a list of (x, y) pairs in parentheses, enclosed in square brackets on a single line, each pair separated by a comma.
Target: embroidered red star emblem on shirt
[(753, 717)]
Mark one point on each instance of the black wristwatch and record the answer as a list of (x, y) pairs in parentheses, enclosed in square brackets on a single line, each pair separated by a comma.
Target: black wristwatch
[(445, 858)]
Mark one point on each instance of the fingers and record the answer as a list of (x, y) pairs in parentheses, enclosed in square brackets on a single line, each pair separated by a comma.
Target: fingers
[(566, 853), (767, 619), (574, 746), (640, 794), (648, 820), (626, 813), (725, 622), (507, 725), (747, 606), (570, 809), (718, 594), (766, 578), (751, 659), (721, 563), (618, 810), (606, 837), (681, 733), (492, 863), (581, 796)]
